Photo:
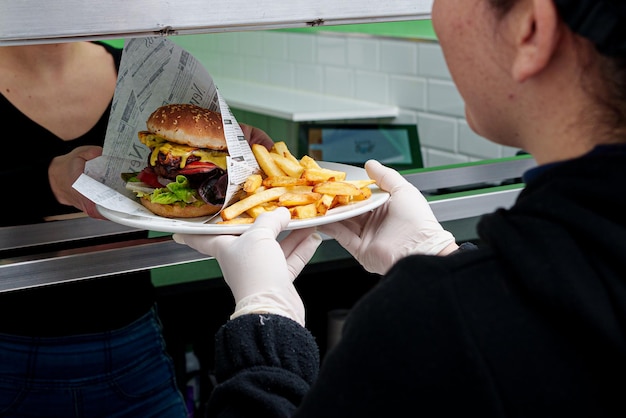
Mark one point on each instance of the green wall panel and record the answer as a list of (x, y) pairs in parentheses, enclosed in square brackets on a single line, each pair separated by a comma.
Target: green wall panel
[(418, 29)]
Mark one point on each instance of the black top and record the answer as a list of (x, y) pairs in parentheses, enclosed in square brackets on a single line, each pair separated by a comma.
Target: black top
[(27, 168), (80, 307), (530, 324)]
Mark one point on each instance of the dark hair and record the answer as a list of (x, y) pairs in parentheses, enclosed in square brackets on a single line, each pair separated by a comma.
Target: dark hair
[(502, 7), (600, 21), (589, 19)]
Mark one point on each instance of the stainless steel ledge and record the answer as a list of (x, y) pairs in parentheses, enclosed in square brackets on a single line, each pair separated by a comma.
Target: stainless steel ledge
[(89, 263), (474, 205), (473, 173), (25, 236)]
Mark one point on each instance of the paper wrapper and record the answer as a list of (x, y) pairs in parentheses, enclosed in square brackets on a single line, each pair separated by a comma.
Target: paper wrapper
[(155, 72)]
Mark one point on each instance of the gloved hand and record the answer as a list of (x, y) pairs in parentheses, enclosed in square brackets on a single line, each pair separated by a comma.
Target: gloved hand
[(260, 271), (404, 225)]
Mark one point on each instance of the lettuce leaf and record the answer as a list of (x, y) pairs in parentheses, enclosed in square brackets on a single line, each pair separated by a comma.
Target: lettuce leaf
[(176, 191)]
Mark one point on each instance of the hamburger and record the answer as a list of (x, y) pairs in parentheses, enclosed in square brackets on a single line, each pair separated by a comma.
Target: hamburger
[(185, 175)]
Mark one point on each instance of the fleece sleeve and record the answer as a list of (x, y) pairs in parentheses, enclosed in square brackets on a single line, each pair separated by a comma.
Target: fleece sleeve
[(265, 365)]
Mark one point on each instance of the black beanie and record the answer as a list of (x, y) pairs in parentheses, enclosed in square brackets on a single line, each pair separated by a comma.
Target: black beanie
[(603, 22)]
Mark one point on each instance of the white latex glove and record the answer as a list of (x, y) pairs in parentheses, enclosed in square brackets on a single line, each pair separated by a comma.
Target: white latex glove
[(258, 269), (404, 225)]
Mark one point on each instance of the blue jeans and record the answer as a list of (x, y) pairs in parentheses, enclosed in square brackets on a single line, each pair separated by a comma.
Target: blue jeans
[(122, 373)]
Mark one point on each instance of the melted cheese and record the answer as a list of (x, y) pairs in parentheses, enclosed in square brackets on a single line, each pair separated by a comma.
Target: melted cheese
[(158, 144)]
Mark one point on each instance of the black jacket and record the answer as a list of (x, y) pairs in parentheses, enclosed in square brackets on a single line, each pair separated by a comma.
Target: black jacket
[(529, 325)]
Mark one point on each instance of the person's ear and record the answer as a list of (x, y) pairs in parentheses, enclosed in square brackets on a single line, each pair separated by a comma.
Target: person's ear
[(536, 38)]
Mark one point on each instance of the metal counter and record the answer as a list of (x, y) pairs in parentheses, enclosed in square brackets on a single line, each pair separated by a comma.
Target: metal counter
[(85, 248)]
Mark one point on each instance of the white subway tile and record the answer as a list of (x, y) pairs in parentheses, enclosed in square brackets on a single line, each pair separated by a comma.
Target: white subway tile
[(438, 132), (331, 50), (255, 69), (274, 45), (301, 48), (230, 65), (214, 67), (371, 87), (309, 78), (339, 81), (444, 98), (281, 73), (405, 116), (408, 92), (398, 57), (432, 62), (411, 75), (251, 44), (363, 53)]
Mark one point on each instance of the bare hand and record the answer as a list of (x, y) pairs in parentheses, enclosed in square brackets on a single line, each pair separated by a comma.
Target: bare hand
[(256, 136), (63, 172)]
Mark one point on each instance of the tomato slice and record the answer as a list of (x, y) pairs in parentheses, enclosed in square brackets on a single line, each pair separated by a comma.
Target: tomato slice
[(149, 177), (197, 167)]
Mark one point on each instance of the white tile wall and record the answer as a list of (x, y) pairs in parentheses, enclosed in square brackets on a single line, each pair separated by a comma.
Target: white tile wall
[(407, 73)]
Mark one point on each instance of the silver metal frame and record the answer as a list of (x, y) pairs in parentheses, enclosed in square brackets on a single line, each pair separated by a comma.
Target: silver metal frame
[(37, 21)]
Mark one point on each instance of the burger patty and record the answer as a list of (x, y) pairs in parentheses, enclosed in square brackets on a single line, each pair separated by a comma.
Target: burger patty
[(210, 180), (168, 166)]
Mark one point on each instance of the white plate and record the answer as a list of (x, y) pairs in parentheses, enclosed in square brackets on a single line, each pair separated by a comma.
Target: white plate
[(180, 225)]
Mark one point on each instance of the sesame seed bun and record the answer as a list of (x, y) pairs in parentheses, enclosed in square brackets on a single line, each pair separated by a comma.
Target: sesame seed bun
[(188, 124)]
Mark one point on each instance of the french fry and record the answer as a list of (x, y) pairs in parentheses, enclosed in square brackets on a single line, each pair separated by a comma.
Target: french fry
[(317, 175), (250, 201), (336, 188), (303, 186), (266, 162), (366, 193), (325, 203), (280, 148), (283, 181), (308, 162), (255, 211), (343, 199), (300, 189), (252, 183), (303, 211), (297, 199), (291, 168)]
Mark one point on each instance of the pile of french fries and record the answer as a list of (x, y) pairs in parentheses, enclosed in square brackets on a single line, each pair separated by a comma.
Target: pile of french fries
[(303, 186)]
